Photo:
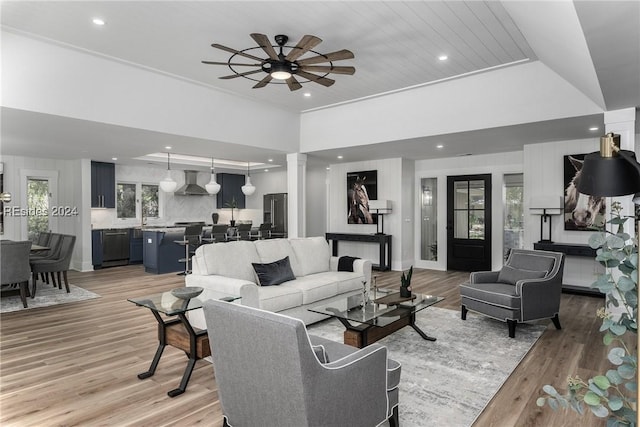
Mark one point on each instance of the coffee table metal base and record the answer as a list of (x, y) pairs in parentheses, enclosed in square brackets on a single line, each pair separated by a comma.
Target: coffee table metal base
[(362, 335)]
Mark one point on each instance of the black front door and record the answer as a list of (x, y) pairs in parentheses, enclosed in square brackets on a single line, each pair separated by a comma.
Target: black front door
[(469, 222)]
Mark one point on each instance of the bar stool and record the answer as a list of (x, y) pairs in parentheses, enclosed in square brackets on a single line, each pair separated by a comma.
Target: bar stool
[(191, 241)]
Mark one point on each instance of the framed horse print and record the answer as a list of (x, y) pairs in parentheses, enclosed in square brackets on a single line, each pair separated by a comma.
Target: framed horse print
[(361, 187), (581, 212)]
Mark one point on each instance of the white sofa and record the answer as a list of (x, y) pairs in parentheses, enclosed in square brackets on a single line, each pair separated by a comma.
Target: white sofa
[(226, 268)]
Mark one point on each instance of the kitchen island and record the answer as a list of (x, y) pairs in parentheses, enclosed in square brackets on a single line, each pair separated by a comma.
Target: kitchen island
[(160, 253)]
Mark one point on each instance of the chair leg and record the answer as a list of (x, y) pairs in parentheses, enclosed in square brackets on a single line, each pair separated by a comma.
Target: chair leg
[(23, 293), (33, 287), (512, 327), (66, 280), (556, 321), (59, 280), (53, 279), (463, 312), (44, 277), (394, 420)]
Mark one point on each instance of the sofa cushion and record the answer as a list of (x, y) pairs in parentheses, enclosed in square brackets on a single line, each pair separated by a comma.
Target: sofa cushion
[(345, 280), (314, 287), (232, 259), (271, 250), (274, 273), (312, 253), (511, 275), (279, 298)]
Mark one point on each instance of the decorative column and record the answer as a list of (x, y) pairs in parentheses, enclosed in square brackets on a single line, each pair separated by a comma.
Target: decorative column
[(296, 188)]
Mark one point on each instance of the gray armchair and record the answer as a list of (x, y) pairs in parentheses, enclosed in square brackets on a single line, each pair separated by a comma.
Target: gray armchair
[(269, 373), (527, 288)]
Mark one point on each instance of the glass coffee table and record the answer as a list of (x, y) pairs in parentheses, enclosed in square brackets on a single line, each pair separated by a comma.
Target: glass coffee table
[(175, 330), (378, 318)]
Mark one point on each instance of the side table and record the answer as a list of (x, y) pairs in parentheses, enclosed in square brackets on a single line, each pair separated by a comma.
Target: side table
[(178, 332)]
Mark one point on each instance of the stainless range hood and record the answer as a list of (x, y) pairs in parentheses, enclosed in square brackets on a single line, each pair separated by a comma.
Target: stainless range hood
[(191, 187)]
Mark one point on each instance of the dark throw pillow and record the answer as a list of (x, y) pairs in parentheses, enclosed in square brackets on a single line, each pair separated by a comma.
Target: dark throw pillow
[(345, 263), (511, 275), (274, 273)]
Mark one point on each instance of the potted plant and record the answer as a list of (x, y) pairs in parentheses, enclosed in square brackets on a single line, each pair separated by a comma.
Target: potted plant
[(611, 395), (232, 204), (405, 283)]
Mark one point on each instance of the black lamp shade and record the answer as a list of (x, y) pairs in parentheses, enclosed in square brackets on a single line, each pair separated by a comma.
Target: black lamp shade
[(609, 176)]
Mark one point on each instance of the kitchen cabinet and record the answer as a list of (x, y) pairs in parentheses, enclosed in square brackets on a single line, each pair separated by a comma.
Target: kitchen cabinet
[(160, 252), (103, 185), (96, 249), (135, 246), (230, 188)]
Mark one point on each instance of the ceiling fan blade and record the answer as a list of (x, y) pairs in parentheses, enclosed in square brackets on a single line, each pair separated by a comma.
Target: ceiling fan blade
[(333, 56), (265, 44), (233, 64), (305, 44), (263, 82), (322, 80), (233, 76), (328, 69), (237, 52), (293, 84)]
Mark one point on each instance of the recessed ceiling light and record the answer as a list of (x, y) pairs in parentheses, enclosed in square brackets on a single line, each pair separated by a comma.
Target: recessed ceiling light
[(340, 157), (266, 170), (439, 146), (114, 158), (270, 160), (307, 94), (594, 128), (98, 21), (443, 57), (168, 147), (328, 168)]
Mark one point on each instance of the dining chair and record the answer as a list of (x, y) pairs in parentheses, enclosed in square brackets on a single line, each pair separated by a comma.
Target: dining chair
[(14, 266), (56, 265)]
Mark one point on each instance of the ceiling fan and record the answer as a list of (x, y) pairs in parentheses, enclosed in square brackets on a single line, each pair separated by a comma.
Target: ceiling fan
[(283, 68)]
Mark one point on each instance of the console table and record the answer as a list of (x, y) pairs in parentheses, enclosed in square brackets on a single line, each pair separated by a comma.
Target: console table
[(383, 240), (571, 249)]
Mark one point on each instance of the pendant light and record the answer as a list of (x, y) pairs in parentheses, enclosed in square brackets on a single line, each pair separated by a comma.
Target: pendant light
[(168, 185), (212, 187), (248, 188)]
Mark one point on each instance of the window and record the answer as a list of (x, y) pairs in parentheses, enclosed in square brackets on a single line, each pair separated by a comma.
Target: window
[(150, 206), (126, 200), (38, 204), (429, 245), (513, 213)]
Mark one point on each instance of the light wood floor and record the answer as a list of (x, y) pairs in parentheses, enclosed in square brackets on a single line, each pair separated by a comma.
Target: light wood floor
[(76, 364)]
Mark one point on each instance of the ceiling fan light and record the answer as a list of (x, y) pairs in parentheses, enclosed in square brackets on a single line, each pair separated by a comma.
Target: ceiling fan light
[(280, 71)]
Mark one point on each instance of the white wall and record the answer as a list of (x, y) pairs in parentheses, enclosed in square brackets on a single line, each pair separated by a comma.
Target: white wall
[(90, 87), (389, 187), (316, 201), (524, 93)]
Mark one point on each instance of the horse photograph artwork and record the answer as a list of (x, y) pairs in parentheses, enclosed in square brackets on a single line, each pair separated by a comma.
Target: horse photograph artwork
[(361, 187), (581, 212)]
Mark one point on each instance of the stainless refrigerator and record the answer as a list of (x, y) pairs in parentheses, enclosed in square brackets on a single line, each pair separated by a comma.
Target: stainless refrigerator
[(276, 212)]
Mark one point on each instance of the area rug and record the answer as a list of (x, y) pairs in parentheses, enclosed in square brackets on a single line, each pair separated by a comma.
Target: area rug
[(449, 382), (46, 296)]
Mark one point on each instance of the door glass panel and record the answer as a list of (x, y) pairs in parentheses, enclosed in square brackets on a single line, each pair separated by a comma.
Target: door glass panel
[(461, 190), (476, 194), (512, 196), (429, 225), (461, 225), (476, 224), (38, 206)]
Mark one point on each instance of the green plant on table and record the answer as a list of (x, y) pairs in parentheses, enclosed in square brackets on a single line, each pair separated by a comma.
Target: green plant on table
[(232, 204), (614, 394), (405, 282)]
